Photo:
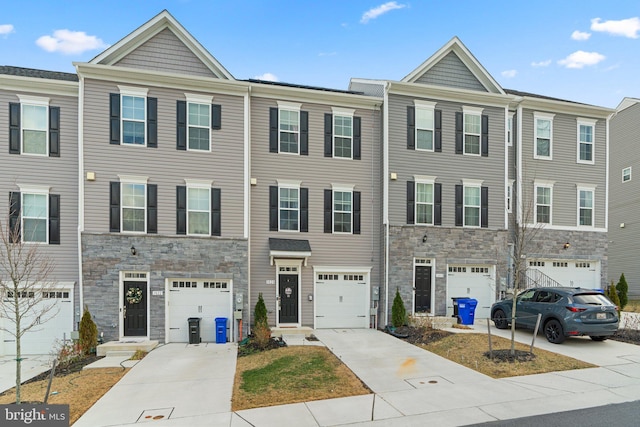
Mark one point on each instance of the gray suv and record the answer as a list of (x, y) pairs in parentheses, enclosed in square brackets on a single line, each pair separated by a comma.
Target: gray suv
[(565, 312)]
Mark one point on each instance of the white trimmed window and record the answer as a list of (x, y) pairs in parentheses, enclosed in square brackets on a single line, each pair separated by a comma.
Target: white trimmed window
[(543, 205), (35, 218), (342, 209), (510, 130), (198, 207), (199, 122), (35, 125), (586, 130), (626, 174), (133, 204), (424, 125), (543, 143), (471, 205), (424, 202), (289, 207), (343, 132), (133, 107), (289, 127), (585, 206), (472, 130)]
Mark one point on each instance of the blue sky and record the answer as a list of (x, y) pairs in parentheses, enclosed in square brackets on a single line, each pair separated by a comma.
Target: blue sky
[(585, 51)]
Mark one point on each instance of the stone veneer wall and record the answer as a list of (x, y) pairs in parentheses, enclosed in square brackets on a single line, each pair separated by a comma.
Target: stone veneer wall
[(445, 246), (105, 255)]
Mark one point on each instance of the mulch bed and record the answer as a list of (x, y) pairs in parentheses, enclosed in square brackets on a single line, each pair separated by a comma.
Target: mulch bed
[(249, 346), (66, 369), (631, 336), (421, 335), (503, 356)]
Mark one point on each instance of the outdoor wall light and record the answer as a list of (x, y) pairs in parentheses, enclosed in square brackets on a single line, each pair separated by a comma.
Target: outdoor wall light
[(424, 238), (133, 250), (567, 245)]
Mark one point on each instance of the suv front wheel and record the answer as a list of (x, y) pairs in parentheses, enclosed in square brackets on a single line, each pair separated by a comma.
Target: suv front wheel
[(553, 331)]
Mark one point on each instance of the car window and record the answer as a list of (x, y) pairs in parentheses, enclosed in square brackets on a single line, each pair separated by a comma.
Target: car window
[(592, 299), (546, 296), (527, 295)]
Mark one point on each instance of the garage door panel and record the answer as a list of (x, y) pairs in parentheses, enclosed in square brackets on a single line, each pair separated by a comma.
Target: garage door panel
[(584, 274), (471, 281), (342, 302)]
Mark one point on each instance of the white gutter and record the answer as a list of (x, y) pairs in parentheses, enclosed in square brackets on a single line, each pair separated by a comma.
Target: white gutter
[(80, 187), (519, 163), (606, 202), (247, 198), (506, 166), (385, 197)]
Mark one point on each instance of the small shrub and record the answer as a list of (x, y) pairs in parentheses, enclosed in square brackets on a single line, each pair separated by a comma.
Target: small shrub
[(622, 287), (261, 336), (398, 312), (612, 293), (260, 313), (67, 353), (88, 333)]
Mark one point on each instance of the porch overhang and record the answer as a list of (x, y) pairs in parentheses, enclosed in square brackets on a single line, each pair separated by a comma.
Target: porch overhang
[(289, 248)]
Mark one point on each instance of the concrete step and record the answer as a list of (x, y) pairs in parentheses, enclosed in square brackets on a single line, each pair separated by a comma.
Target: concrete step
[(130, 346), (305, 331), (120, 353)]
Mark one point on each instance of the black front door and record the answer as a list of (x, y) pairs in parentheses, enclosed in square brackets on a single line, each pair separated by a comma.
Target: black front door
[(423, 289), (135, 309), (288, 291)]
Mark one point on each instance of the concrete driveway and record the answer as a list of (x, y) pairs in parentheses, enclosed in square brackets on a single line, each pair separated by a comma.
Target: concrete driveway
[(32, 365)]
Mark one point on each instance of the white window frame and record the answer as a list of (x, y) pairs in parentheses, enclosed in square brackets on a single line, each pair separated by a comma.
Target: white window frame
[(193, 184), (510, 129), (624, 175), (289, 185), (38, 102), (201, 100), (469, 184), (546, 117), (37, 191), (135, 92), (427, 108), (543, 184), (590, 189), (475, 112), (292, 107), (341, 188), (424, 180), (343, 113), (132, 180), (592, 124)]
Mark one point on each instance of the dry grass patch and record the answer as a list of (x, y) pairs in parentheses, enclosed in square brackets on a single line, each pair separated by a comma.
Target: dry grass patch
[(292, 375), (79, 390), (468, 349), (633, 306)]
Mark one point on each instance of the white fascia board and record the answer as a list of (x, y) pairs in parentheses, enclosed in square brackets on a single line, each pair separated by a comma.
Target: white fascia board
[(540, 104), (305, 95), (40, 86), (463, 96)]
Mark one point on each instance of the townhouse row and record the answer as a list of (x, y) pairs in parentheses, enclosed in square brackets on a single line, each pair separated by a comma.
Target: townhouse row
[(166, 189)]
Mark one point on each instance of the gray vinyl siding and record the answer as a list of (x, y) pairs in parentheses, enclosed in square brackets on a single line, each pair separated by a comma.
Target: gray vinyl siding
[(564, 170), (317, 173), (164, 165), (371, 89), (451, 72), (165, 52), (448, 168), (625, 198), (60, 174)]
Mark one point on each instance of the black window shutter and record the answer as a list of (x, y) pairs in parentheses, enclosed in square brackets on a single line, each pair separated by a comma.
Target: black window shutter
[(114, 207), (181, 209), (328, 135), (304, 133), (437, 204), (14, 216), (304, 209), (357, 138), (437, 137), (181, 125), (54, 131), (152, 208), (411, 127), (459, 206), (273, 130), (328, 211), (216, 116), (411, 199), (485, 136), (14, 128), (484, 207), (114, 117), (216, 212), (356, 212), (273, 208), (152, 122), (54, 219), (459, 133)]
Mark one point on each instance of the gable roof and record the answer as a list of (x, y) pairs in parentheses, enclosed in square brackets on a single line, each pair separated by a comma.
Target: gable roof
[(626, 103), (466, 57), (38, 74), (163, 20)]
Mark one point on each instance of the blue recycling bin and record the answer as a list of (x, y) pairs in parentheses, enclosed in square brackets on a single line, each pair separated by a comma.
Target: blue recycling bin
[(467, 310), (221, 330)]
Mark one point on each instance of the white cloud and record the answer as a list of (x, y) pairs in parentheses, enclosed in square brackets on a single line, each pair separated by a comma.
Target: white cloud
[(6, 29), (580, 59), (624, 27), (380, 10), (327, 53), (70, 42), (580, 35), (509, 73), (268, 77), (541, 63)]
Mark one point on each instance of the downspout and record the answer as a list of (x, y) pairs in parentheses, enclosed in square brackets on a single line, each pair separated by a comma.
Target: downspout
[(247, 198), (80, 188), (519, 168), (606, 203), (385, 196)]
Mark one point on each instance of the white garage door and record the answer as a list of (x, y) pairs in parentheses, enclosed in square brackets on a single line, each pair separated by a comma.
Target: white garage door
[(342, 300), (472, 281), (198, 298), (56, 324), (585, 274)]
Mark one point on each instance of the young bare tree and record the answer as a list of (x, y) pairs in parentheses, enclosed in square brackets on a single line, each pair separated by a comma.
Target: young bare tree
[(25, 280)]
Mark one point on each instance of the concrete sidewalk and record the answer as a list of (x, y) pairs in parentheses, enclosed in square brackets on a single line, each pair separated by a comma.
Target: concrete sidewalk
[(32, 365)]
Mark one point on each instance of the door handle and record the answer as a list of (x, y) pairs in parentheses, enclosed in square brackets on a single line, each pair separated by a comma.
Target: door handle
[(124, 312)]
